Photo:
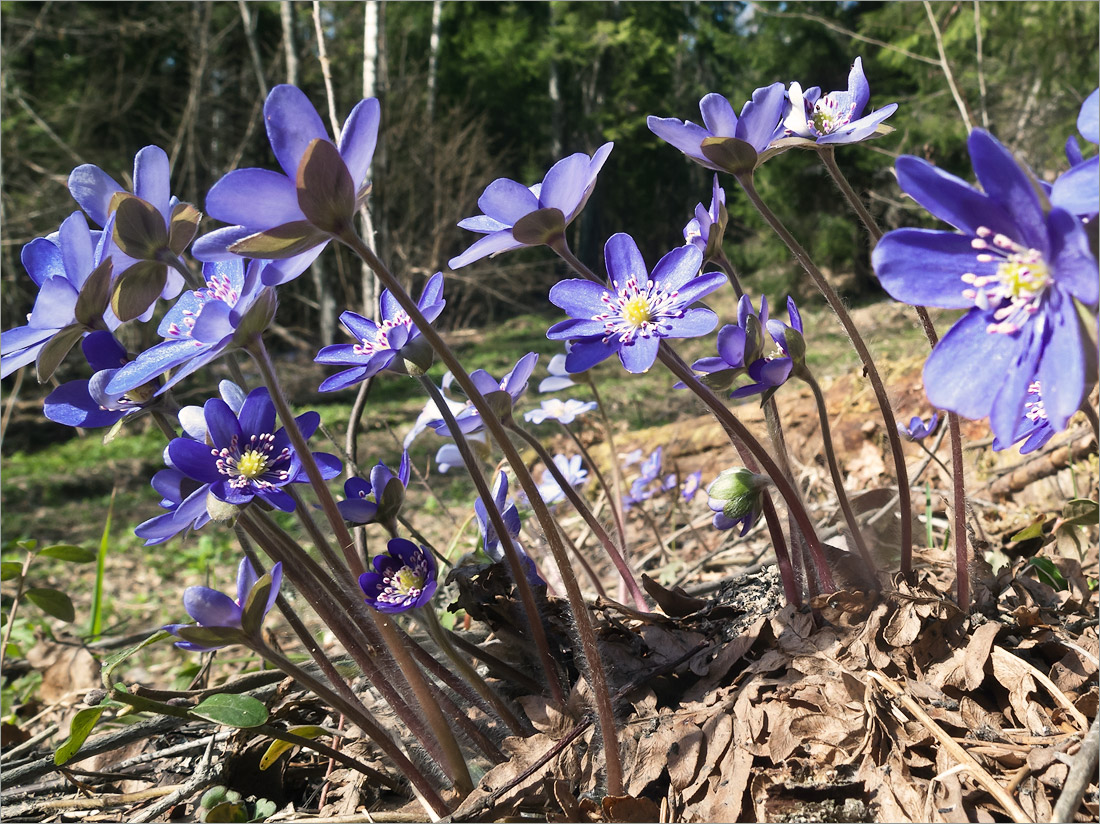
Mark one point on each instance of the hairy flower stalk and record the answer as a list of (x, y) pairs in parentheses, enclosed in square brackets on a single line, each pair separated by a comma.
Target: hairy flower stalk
[(456, 763), (837, 305), (585, 631)]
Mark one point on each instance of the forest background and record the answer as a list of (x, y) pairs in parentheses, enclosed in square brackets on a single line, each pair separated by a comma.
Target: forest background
[(471, 91)]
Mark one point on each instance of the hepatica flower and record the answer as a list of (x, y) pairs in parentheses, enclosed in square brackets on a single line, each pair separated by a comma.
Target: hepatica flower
[(726, 142), (403, 577), (380, 498), (501, 395), (642, 309), (293, 215), (559, 375), (564, 190), (736, 498), (72, 271), (918, 429), (1033, 429), (570, 468), (563, 412), (385, 345), (228, 312), (214, 610), (835, 117), (1078, 190), (707, 228), (149, 226), (1017, 269), (248, 458), (490, 539)]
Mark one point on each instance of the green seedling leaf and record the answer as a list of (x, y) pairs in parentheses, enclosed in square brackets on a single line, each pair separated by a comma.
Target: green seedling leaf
[(213, 797), (241, 711), (10, 570), (1048, 573), (1081, 512), (263, 809), (1032, 530), (231, 811), (81, 727), (277, 748), (67, 552), (96, 625), (53, 603), (28, 545)]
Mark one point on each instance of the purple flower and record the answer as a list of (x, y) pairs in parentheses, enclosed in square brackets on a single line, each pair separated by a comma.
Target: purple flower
[(99, 195), (184, 497), (834, 118), (755, 129), (248, 458), (643, 486), (72, 272), (403, 577), (203, 324), (385, 345), (769, 372), (566, 188), (575, 474), (691, 485), (918, 430), (216, 610), (738, 345), (563, 412), (707, 228), (559, 376), (87, 403), (1077, 191), (501, 395), (736, 498), (1033, 428), (490, 540), (285, 215), (641, 311), (386, 492), (1017, 268)]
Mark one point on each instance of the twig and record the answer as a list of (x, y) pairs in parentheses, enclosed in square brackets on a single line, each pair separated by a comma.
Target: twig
[(13, 396), (1055, 693), (1081, 772), (981, 72), (976, 771), (15, 752), (207, 773), (95, 802), (947, 67)]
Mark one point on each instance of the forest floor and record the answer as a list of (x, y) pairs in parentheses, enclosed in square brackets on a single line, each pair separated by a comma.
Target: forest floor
[(886, 705)]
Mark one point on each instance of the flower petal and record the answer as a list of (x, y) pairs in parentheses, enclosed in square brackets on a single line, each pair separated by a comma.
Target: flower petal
[(292, 124), (924, 267), (638, 356), (92, 188), (565, 183), (151, 179), (718, 115), (624, 260), (359, 137), (211, 608), (487, 246), (1002, 179), (950, 198), (506, 201), (677, 267), (258, 198), (966, 369), (578, 298)]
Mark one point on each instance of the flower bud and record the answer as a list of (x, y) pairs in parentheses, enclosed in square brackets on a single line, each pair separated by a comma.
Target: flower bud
[(219, 510), (735, 496)]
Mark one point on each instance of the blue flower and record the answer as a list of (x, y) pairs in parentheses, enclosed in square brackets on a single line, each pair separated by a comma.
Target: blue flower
[(563, 412), (203, 325), (570, 468), (490, 542), (643, 308), (559, 376), (834, 118), (501, 395), (643, 487), (182, 496), (272, 214), (691, 485), (736, 498), (1078, 190), (72, 271), (87, 403), (769, 372), (403, 578), (707, 228), (1017, 269), (248, 457), (566, 188), (757, 126), (212, 609), (1033, 428), (378, 499), (918, 430), (385, 345)]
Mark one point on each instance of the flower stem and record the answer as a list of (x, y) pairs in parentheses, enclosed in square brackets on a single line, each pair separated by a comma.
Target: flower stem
[(585, 631), (837, 305), (586, 513), (828, 157), (723, 263), (616, 500), (515, 565), (834, 470), (962, 556)]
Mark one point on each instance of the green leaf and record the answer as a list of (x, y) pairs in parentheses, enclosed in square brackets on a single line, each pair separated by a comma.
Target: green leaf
[(242, 711), (139, 228), (277, 748), (228, 811), (96, 626), (68, 552), (81, 727), (263, 810), (1048, 573), (182, 227), (10, 570), (540, 227), (52, 602), (1032, 530), (92, 300), (1080, 512)]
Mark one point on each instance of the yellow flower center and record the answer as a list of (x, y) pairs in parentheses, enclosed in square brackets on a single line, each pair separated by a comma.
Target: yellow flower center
[(407, 580), (252, 464), (636, 311), (1023, 278)]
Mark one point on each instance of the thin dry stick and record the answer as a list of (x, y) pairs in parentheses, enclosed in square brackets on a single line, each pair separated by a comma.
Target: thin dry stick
[(980, 776), (981, 73), (1055, 693), (1081, 773), (326, 69), (253, 49), (13, 396), (947, 66)]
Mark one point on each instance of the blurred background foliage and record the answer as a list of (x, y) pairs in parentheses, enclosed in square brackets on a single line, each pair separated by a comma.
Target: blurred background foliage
[(505, 89)]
